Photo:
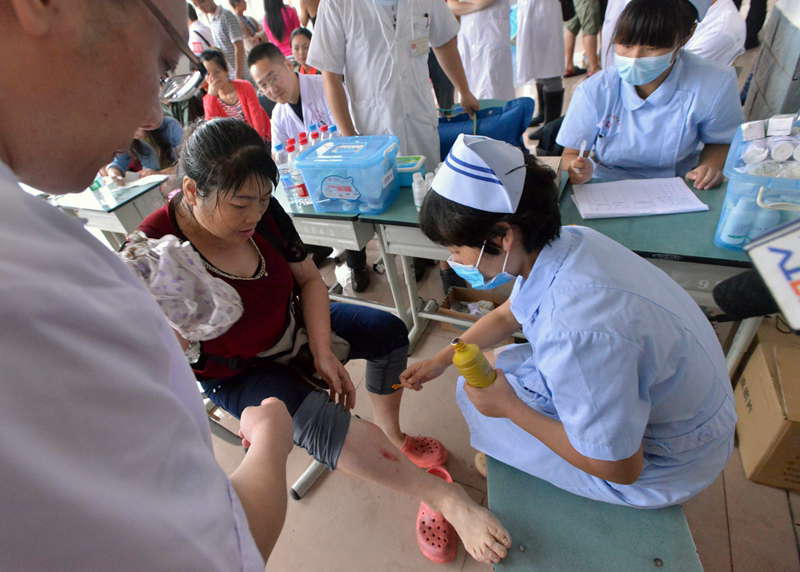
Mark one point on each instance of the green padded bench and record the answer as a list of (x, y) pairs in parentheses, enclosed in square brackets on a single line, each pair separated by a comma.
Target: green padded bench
[(553, 530)]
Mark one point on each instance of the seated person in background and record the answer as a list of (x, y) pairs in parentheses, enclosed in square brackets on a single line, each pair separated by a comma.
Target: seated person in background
[(622, 393), (232, 98), (225, 211), (299, 99), (156, 151), (650, 115), (301, 39), (720, 35), (253, 34)]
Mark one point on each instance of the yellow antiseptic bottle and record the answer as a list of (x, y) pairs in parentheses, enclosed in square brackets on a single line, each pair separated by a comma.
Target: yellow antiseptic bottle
[(472, 364)]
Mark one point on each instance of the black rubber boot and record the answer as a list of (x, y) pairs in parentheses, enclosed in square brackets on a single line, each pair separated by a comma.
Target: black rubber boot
[(553, 102), (539, 117), (357, 262)]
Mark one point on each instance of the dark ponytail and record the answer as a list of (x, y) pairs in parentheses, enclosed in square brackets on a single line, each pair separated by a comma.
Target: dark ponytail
[(449, 223), (221, 155), (273, 9)]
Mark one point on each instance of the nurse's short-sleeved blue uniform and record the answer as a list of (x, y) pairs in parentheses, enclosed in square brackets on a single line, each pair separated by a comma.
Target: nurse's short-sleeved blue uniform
[(660, 136), (624, 358)]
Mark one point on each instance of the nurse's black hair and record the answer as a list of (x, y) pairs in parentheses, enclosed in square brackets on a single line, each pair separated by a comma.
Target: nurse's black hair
[(449, 223), (655, 23), (215, 56), (223, 154)]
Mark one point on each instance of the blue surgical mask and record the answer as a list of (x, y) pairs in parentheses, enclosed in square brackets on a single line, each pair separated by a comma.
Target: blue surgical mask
[(474, 277), (639, 71)]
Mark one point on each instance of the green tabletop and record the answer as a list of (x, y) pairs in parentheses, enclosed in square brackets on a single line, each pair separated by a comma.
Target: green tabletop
[(106, 199), (402, 211), (688, 236), (309, 212), (553, 530)]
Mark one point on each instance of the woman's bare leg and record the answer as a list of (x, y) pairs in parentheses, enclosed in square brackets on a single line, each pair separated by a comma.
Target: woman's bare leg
[(369, 455)]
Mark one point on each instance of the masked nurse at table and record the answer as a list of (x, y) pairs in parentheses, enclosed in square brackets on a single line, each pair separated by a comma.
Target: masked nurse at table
[(622, 394), (661, 111)]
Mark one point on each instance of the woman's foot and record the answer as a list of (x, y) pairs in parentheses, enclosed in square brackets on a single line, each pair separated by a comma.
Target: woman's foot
[(484, 538)]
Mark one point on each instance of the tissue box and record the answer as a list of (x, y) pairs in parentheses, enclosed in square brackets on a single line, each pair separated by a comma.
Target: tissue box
[(780, 124)]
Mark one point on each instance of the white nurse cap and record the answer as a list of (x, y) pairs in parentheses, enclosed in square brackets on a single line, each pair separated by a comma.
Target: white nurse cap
[(482, 173), (702, 7)]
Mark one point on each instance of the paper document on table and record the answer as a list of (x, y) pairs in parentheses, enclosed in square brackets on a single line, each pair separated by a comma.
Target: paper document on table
[(636, 197)]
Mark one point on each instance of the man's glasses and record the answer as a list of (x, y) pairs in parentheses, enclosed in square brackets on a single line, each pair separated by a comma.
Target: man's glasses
[(269, 82), (181, 87)]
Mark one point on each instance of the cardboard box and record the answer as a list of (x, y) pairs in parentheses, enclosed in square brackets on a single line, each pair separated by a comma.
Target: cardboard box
[(768, 406), (768, 333), (497, 296)]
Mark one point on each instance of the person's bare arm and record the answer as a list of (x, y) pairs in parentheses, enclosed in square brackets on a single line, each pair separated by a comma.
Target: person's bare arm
[(708, 173), (337, 102), (260, 479), (239, 53), (450, 60), (487, 332), (500, 400), (317, 312), (459, 8)]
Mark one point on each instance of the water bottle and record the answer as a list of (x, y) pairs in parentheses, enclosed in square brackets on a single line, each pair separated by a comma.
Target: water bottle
[(300, 191), (738, 222), (285, 173), (333, 131), (764, 220), (325, 134), (472, 364), (314, 138)]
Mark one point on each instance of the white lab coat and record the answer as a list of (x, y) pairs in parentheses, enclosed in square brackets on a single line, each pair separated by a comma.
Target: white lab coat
[(95, 383), (286, 123), (540, 40), (485, 48), (613, 11), (382, 51), (720, 35)]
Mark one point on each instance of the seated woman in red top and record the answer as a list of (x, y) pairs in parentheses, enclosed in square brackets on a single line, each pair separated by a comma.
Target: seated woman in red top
[(225, 211), (232, 98)]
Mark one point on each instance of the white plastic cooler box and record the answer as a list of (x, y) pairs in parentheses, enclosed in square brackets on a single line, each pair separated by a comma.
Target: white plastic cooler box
[(351, 174)]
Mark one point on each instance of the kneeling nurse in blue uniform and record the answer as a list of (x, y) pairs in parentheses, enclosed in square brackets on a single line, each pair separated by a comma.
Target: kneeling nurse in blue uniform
[(622, 394)]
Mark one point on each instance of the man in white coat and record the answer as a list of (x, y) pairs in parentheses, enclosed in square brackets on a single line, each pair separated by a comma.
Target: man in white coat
[(720, 36), (540, 55), (485, 47), (299, 98), (373, 55)]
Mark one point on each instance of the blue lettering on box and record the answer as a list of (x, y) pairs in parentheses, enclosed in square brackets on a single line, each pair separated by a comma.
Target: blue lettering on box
[(335, 187)]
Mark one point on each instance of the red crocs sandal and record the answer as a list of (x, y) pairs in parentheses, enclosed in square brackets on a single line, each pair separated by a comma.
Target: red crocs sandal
[(424, 452), (436, 538)]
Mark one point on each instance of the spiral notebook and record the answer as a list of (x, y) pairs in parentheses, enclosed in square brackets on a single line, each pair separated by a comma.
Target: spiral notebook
[(636, 197)]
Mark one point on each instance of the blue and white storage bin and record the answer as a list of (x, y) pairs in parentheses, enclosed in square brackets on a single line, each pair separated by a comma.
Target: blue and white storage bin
[(351, 174), (762, 193)]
